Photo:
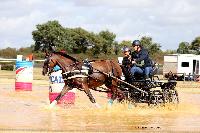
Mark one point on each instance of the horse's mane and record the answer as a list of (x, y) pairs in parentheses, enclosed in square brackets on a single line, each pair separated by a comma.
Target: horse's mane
[(66, 55)]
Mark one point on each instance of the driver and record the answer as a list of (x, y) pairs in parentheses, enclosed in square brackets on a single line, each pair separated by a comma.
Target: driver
[(142, 64)]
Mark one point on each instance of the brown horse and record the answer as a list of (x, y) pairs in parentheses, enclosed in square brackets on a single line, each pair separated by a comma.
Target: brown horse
[(101, 69)]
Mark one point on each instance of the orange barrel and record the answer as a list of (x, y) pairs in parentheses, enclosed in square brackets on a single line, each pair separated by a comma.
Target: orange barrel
[(24, 76), (55, 87)]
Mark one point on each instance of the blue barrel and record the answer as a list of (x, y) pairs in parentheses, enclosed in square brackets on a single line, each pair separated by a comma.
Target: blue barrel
[(24, 76)]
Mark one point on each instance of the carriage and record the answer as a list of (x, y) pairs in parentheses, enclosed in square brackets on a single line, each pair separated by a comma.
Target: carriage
[(86, 75), (152, 91)]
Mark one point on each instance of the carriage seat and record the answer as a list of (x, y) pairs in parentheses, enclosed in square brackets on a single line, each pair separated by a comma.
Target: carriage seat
[(129, 77)]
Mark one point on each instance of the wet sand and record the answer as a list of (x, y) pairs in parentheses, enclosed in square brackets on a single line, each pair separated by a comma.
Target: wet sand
[(30, 112)]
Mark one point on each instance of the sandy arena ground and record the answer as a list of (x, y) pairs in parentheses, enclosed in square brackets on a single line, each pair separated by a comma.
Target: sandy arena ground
[(30, 112)]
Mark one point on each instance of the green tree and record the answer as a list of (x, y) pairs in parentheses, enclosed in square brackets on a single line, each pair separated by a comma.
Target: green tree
[(74, 40), (195, 45), (170, 52), (8, 52), (152, 47), (47, 35), (116, 48), (25, 50), (108, 41), (125, 43), (81, 39), (183, 48)]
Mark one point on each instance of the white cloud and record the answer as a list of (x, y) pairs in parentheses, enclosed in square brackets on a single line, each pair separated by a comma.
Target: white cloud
[(115, 4), (168, 22)]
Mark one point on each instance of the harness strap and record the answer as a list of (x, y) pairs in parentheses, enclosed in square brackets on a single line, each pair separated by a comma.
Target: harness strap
[(76, 74)]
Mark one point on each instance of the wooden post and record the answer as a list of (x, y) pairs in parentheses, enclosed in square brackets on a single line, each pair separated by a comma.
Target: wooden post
[(14, 67)]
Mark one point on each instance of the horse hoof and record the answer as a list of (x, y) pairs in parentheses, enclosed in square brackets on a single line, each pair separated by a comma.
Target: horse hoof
[(110, 102), (53, 104)]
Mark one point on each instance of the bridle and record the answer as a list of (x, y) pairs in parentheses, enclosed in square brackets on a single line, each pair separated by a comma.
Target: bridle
[(50, 69)]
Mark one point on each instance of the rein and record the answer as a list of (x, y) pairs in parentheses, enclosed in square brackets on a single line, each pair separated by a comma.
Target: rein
[(113, 77)]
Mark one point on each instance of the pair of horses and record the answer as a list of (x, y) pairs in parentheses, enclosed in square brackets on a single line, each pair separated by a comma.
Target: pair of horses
[(102, 73)]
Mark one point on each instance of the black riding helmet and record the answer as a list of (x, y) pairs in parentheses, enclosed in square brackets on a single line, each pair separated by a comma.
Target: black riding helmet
[(136, 43), (126, 49)]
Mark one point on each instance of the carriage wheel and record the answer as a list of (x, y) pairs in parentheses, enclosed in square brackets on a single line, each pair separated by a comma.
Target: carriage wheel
[(166, 96), (156, 98), (132, 99), (173, 96)]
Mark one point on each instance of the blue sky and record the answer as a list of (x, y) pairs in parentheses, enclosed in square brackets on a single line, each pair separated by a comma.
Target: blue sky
[(168, 22)]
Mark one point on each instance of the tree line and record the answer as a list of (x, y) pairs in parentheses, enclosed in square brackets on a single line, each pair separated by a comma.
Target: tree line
[(78, 40), (89, 44), (190, 48)]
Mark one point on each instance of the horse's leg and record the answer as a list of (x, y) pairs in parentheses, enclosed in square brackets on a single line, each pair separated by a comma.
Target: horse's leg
[(113, 92), (62, 93), (121, 95), (116, 93), (89, 94)]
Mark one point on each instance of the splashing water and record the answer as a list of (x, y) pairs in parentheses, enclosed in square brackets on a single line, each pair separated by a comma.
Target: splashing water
[(29, 111)]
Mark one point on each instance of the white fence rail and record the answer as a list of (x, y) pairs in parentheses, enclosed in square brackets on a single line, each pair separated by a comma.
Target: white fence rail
[(3, 60), (13, 60)]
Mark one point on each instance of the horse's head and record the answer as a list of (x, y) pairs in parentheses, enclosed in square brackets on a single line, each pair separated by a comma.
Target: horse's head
[(49, 63), (66, 62)]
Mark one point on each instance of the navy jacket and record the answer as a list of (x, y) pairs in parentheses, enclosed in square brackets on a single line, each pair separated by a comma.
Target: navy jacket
[(142, 55)]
